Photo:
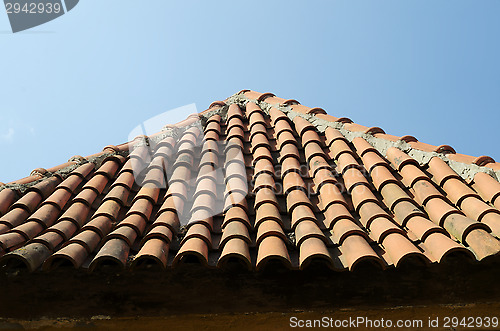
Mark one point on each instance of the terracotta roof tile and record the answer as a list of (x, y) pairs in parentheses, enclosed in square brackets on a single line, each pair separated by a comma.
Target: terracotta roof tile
[(7, 198), (356, 250), (155, 250), (14, 217), (88, 239), (196, 248), (46, 214), (236, 250), (488, 188), (50, 239), (100, 224), (256, 183)]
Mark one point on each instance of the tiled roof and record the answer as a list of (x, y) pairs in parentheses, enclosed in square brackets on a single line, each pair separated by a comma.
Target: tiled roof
[(256, 180)]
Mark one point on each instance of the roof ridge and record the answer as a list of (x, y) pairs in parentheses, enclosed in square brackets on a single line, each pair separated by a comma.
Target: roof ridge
[(376, 136)]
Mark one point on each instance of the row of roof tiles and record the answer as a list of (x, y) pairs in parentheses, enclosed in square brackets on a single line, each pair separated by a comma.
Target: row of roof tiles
[(312, 197)]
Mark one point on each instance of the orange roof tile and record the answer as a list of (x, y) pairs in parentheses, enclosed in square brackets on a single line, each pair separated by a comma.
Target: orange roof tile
[(255, 179)]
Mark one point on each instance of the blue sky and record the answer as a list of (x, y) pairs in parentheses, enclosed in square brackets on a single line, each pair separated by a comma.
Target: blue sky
[(425, 68)]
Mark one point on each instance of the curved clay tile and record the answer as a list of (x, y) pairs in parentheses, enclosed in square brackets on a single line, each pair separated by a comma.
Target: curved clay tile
[(302, 125), (457, 191), (317, 111), (234, 111), (300, 109), (76, 213), (267, 211), (313, 149), (393, 194), (47, 214), (289, 150), (125, 233), (462, 158), (114, 251), (264, 180), (488, 187), (374, 130), (482, 244), (71, 183), (64, 227), (269, 228), (88, 239), (346, 161), (217, 103), (440, 171), (29, 229), (423, 146), (381, 227), (235, 230), (388, 137), (212, 126), (422, 227), (400, 249), (7, 198), (100, 224), (446, 149), (194, 247), (11, 241), (344, 228), (478, 210), (339, 147), (443, 247), (14, 217), (135, 222), (118, 193), (201, 231), (362, 146), (290, 102), (314, 249), (330, 194), (300, 214), (308, 229), (154, 250), (398, 158), (50, 239), (297, 198), (381, 176), (332, 135), (278, 116), (235, 249), (31, 256), (378, 168), (272, 248), (356, 251), (370, 211), (439, 210), (353, 177), (483, 160), (28, 202), (264, 96), (255, 115), (237, 214), (59, 198), (39, 172), (409, 139), (412, 174), (289, 164)]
